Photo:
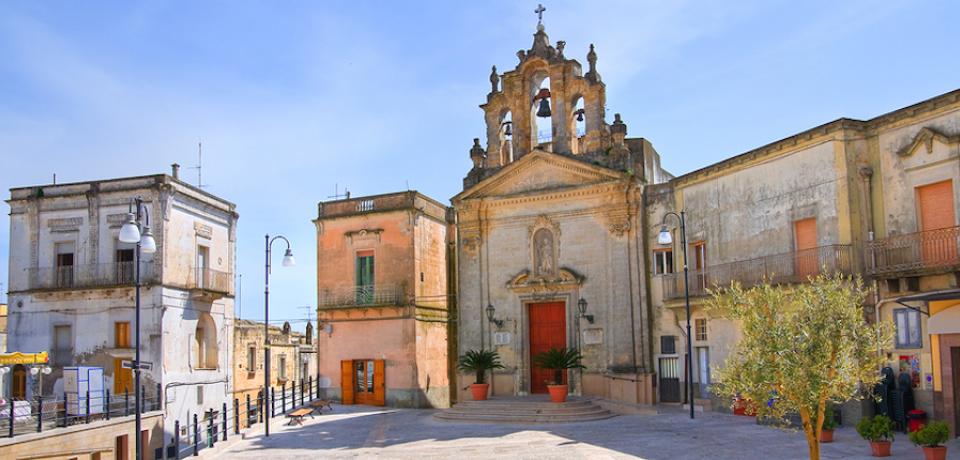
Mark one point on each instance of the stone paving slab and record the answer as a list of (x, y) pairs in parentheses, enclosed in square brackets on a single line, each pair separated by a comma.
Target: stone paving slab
[(367, 432)]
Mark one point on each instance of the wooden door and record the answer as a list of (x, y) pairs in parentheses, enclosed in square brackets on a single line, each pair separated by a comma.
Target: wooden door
[(807, 262), (379, 383), (935, 202), (346, 382), (121, 448), (18, 384), (548, 329), (955, 365), (122, 378), (699, 258), (670, 379), (365, 277), (703, 365)]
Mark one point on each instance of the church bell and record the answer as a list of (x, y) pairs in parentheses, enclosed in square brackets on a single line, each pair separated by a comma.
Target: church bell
[(544, 110), (507, 131)]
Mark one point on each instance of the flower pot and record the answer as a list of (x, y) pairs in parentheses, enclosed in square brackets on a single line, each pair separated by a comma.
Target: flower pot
[(826, 436), (558, 393), (880, 448), (935, 453), (479, 391)]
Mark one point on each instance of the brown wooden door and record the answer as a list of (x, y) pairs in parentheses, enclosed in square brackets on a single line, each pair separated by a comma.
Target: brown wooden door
[(935, 202), (346, 382), (18, 389), (807, 262), (548, 329), (379, 382), (122, 378), (121, 448), (701, 280)]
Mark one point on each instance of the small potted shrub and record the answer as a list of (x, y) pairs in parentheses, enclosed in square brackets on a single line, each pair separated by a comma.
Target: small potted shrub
[(479, 361), (931, 437), (829, 423), (558, 360), (879, 431)]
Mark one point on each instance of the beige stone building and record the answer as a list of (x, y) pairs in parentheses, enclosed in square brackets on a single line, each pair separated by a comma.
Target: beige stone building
[(551, 213), (382, 300), (292, 359)]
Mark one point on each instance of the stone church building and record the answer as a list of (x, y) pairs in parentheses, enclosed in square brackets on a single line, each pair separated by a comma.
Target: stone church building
[(551, 251)]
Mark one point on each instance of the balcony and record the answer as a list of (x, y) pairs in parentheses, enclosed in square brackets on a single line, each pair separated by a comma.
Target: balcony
[(209, 284), (786, 268), (91, 275), (915, 253), (362, 296)]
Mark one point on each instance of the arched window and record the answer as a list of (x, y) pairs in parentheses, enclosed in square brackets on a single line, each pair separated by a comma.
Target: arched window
[(206, 352), (578, 122), (542, 125)]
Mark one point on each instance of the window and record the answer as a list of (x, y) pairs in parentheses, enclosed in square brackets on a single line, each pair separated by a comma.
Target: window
[(121, 334), (662, 261), (907, 322), (365, 277), (203, 262), (64, 264), (283, 367), (251, 359), (365, 205), (668, 344), (125, 266), (206, 342), (913, 283), (893, 285), (62, 346), (699, 259), (701, 329), (199, 395)]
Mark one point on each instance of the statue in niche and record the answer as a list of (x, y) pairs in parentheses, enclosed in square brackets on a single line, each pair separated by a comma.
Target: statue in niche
[(543, 253)]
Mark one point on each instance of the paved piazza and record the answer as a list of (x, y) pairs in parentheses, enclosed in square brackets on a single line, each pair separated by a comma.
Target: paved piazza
[(364, 432)]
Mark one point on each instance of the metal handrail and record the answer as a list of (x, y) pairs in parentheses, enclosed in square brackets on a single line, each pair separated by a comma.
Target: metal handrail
[(914, 251), (90, 275), (784, 268), (362, 296), (208, 279)]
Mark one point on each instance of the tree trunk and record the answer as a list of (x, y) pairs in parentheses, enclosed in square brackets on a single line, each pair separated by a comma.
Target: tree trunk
[(812, 434)]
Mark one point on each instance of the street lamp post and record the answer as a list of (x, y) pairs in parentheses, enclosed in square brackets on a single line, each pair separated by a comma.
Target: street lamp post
[(131, 233), (665, 238), (288, 261)]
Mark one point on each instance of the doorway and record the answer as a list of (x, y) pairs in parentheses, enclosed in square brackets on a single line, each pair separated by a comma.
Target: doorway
[(362, 381), (703, 365), (548, 329), (670, 379), (18, 384)]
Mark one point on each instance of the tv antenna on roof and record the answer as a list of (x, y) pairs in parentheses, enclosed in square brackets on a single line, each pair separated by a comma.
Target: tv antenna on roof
[(309, 311), (199, 166), (336, 193)]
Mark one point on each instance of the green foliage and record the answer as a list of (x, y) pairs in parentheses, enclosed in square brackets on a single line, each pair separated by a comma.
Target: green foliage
[(479, 361), (558, 360), (876, 428), (829, 419), (932, 435), (802, 347)]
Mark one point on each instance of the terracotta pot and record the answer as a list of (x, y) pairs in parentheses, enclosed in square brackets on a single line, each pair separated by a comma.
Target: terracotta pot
[(880, 448), (479, 391), (935, 453), (558, 393), (826, 436)]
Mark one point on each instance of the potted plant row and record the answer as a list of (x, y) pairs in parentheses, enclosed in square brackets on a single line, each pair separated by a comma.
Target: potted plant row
[(558, 360), (879, 431), (932, 437), (479, 362)]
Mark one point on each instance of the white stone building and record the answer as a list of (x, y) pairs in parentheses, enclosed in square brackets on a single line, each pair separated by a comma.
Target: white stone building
[(71, 288)]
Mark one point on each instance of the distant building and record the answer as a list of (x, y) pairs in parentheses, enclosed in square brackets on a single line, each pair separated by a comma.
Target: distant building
[(383, 303), (71, 288), (293, 358)]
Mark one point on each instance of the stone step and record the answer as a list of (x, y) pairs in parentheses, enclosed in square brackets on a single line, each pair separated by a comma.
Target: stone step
[(521, 410), (524, 418), (525, 410), (526, 407)]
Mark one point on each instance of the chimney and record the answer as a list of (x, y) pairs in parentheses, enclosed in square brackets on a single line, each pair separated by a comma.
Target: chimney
[(175, 170)]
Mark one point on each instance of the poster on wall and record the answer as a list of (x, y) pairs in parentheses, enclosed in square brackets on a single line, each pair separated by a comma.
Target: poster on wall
[(911, 365)]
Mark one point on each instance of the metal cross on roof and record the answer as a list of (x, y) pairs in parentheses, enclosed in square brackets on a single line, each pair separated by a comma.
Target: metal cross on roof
[(540, 9)]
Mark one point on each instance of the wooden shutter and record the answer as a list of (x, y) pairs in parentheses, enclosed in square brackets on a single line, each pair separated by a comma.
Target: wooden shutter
[(936, 206), (346, 382), (122, 378), (379, 382), (807, 260)]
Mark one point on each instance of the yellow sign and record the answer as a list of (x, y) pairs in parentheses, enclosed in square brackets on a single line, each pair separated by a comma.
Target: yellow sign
[(24, 358)]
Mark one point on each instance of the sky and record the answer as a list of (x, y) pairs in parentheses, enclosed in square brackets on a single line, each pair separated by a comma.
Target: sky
[(292, 100)]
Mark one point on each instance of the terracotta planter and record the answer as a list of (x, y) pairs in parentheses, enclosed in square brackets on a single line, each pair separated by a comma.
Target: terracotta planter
[(935, 453), (558, 393), (880, 448), (479, 391), (826, 436)]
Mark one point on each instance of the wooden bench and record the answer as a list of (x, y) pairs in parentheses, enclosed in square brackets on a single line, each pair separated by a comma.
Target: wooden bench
[(296, 417), (319, 404)]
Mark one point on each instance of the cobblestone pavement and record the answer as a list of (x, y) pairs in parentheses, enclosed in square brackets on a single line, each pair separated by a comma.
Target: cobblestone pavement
[(365, 432)]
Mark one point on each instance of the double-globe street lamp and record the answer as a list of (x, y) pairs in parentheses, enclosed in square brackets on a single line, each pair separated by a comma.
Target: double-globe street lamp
[(131, 233), (665, 238), (288, 261)]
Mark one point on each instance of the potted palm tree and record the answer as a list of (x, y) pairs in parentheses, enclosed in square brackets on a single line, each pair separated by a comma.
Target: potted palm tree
[(931, 437), (480, 361), (558, 360), (879, 431)]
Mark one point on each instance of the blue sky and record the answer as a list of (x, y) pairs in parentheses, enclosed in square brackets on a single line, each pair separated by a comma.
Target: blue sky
[(291, 98)]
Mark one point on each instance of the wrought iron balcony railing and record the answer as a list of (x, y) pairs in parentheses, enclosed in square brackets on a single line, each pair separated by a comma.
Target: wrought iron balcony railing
[(914, 252), (786, 268), (357, 296), (210, 280), (91, 275)]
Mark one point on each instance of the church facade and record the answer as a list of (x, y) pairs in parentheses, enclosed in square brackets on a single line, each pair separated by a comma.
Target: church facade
[(550, 249)]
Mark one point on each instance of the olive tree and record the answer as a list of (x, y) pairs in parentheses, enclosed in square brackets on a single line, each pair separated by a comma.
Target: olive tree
[(802, 347)]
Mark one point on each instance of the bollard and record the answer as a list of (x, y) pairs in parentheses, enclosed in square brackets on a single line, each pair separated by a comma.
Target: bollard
[(273, 402), (39, 414), (224, 421), (176, 440), (248, 411), (88, 407), (283, 398), (260, 401), (236, 417), (310, 386), (66, 411), (159, 403), (143, 398), (301, 392), (196, 436), (108, 405), (211, 432), (126, 401), (12, 419)]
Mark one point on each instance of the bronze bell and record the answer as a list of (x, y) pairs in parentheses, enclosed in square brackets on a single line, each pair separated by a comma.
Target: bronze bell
[(507, 131), (579, 114), (544, 110)]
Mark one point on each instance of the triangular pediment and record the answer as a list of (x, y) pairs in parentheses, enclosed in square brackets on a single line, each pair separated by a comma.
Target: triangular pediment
[(540, 171), (925, 139)]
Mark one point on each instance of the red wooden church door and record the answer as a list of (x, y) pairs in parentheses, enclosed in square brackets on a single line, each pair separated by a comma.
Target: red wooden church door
[(548, 329)]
